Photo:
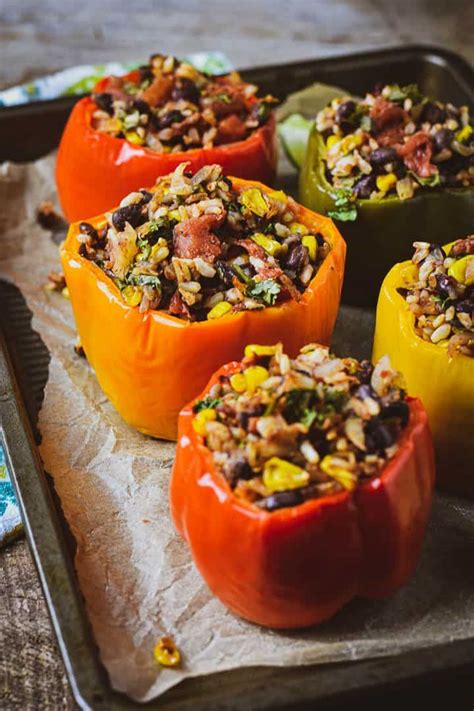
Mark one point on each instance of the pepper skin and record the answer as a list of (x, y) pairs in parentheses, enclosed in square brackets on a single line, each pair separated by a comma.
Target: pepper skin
[(151, 364), (384, 230), (298, 566), (444, 384), (95, 170)]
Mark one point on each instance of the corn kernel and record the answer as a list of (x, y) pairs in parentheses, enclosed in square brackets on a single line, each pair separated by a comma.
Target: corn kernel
[(132, 295), (174, 215), (271, 246), (65, 293), (464, 134), (280, 475), (385, 182), (254, 376), (311, 244), (219, 310), (254, 201), (253, 349), (332, 140), (167, 653), (348, 143), (343, 476), (298, 227), (133, 137), (202, 417), (238, 382), (159, 251), (463, 270), (278, 195)]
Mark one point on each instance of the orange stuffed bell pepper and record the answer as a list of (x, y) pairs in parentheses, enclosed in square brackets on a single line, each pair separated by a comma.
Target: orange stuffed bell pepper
[(142, 125), (301, 484), (175, 282), (425, 322)]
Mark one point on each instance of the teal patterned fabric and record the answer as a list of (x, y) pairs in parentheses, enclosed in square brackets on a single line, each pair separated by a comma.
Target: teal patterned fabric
[(10, 520)]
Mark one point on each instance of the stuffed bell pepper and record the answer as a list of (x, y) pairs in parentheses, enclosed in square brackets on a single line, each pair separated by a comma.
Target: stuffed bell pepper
[(425, 322), (179, 278), (394, 167), (300, 484), (142, 125)]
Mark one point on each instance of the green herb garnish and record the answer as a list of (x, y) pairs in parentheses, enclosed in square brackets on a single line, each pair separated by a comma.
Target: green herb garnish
[(206, 403), (346, 209), (266, 290)]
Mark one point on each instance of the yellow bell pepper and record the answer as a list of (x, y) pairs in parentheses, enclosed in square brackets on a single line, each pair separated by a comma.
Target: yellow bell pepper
[(444, 384)]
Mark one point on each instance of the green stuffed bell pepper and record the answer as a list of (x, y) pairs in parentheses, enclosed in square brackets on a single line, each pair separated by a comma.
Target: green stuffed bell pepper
[(394, 168)]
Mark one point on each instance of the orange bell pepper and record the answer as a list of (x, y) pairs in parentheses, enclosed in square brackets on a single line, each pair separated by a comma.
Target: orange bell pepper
[(95, 170), (298, 566), (151, 364)]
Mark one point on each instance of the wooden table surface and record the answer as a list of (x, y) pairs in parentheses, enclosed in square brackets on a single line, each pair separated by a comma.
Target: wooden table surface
[(40, 36)]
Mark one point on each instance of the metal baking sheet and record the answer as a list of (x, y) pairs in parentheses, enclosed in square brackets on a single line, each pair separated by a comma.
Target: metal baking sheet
[(30, 131)]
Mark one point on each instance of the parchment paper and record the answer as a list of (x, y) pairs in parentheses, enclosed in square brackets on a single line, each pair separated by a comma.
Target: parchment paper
[(135, 573)]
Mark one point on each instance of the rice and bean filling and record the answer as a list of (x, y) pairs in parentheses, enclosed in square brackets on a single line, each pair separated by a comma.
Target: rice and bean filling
[(173, 107), (283, 431), (396, 141), (199, 248), (442, 296)]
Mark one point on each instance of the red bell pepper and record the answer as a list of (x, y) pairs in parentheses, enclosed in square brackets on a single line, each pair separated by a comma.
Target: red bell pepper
[(94, 170), (298, 566)]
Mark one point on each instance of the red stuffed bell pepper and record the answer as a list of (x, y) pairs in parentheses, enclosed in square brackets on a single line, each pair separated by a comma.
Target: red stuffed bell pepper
[(299, 485), (137, 127)]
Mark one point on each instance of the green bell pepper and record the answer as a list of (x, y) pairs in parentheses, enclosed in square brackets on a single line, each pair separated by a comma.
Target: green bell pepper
[(384, 230)]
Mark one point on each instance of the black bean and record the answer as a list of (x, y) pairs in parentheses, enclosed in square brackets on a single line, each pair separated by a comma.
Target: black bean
[(238, 469), (345, 111), (437, 252), (443, 139), (402, 291), (320, 240), (185, 89), (87, 229), (147, 196), (145, 72), (105, 102), (446, 286), (168, 119), (297, 258), (132, 214), (398, 409), (364, 187), (281, 500), (378, 435), (465, 307), (433, 113), (381, 156), (141, 106)]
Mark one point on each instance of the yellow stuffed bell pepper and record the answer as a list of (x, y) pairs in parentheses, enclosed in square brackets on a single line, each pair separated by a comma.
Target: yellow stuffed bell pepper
[(442, 377)]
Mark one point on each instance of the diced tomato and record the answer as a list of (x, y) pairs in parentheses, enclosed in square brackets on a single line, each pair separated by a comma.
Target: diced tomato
[(195, 237), (416, 154)]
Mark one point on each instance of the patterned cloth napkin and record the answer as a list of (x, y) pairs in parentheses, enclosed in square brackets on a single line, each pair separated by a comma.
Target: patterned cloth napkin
[(71, 82)]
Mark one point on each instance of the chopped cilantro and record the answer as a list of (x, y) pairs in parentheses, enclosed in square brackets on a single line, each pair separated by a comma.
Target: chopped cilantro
[(346, 210), (145, 280), (266, 290), (206, 403), (398, 94)]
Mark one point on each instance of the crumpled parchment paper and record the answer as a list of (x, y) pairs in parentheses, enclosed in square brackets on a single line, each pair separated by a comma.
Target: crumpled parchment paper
[(136, 575)]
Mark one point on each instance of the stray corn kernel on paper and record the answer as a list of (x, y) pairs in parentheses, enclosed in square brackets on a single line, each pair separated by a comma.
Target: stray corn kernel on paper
[(136, 574)]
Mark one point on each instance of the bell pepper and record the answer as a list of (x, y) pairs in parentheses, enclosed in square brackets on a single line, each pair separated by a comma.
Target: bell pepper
[(444, 384), (298, 566), (150, 364), (384, 230), (94, 170)]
